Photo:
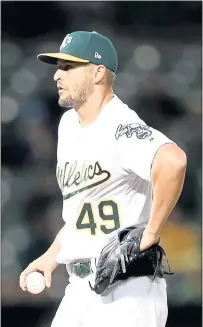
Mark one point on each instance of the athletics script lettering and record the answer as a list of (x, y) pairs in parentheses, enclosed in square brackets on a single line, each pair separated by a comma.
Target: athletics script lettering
[(74, 178)]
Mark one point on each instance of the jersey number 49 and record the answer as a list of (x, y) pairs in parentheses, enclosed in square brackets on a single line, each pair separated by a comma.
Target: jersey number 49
[(108, 211)]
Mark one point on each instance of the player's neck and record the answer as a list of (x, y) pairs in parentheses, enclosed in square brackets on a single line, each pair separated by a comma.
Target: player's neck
[(89, 112)]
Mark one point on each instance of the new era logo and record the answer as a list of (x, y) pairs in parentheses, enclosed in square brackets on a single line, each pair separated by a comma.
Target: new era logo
[(97, 55)]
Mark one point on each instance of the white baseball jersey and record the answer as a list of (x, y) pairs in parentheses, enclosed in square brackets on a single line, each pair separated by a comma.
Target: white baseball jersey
[(103, 171)]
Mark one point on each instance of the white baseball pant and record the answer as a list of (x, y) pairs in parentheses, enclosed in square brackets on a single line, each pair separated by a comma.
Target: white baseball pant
[(135, 302)]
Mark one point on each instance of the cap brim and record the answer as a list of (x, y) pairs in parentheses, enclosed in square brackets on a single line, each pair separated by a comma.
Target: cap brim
[(51, 58)]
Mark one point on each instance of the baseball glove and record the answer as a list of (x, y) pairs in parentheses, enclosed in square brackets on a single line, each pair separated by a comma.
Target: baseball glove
[(122, 258)]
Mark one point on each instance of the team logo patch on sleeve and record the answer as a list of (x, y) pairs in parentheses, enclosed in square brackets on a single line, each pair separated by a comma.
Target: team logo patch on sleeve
[(141, 131)]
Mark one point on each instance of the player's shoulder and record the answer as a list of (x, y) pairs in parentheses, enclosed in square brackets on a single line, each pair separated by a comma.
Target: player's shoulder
[(126, 115), (66, 120), (126, 119), (129, 125)]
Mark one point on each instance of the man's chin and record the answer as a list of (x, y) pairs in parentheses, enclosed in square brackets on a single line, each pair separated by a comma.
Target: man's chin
[(64, 104)]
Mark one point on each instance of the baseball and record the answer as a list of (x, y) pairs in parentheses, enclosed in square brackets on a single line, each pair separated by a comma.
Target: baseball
[(35, 282)]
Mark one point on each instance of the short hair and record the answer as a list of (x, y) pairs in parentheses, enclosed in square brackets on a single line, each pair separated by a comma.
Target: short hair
[(110, 77)]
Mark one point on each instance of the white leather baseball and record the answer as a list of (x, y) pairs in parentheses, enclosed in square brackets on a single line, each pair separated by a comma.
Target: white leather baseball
[(35, 282)]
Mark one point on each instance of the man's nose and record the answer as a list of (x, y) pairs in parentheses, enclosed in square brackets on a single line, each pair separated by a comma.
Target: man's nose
[(57, 75)]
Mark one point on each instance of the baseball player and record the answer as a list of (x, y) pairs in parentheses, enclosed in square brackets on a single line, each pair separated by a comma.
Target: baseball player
[(120, 179)]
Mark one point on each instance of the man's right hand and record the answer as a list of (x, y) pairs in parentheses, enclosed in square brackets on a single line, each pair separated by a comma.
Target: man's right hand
[(45, 264)]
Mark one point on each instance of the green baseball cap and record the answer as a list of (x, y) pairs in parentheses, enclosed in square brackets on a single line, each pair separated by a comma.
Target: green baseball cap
[(82, 46)]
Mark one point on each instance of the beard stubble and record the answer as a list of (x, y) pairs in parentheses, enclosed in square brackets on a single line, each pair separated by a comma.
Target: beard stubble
[(79, 97)]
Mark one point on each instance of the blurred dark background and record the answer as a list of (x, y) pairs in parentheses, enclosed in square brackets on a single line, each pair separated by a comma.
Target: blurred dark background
[(159, 75)]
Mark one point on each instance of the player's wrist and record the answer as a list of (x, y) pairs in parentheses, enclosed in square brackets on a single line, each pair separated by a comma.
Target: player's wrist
[(51, 254), (152, 233)]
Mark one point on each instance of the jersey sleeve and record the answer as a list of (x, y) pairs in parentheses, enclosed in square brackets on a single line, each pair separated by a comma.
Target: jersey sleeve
[(138, 146)]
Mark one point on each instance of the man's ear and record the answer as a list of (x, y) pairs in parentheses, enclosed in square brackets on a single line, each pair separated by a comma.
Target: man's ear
[(99, 73)]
